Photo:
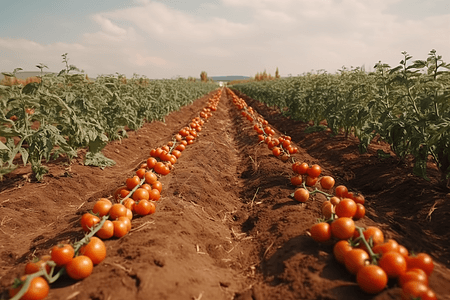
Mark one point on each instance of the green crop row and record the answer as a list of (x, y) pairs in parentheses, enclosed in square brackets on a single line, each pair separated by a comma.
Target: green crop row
[(408, 106), (63, 112)]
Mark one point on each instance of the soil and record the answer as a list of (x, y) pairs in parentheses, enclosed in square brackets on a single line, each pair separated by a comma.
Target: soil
[(225, 226)]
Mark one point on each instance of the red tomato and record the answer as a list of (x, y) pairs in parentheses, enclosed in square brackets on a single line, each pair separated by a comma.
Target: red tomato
[(38, 264), (95, 250), (80, 267), (120, 228), (314, 171), (341, 191), (340, 249), (311, 181), (346, 208), (343, 228), (421, 261), (140, 194), (321, 232), (102, 207), (132, 182), (301, 195), (327, 182), (107, 230), (88, 221), (62, 254), (355, 259), (37, 290), (393, 263), (412, 275), (371, 279), (117, 210)]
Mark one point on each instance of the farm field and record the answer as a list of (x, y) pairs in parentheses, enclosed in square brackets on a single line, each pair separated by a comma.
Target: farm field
[(225, 226)]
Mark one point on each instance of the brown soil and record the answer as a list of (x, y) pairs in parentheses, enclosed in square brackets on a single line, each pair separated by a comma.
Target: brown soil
[(225, 227)]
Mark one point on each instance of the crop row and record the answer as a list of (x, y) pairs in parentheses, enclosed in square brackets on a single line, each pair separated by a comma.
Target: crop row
[(110, 218), (61, 113), (363, 251), (408, 106)]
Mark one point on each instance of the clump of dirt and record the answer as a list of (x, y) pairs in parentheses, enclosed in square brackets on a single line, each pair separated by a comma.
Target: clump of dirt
[(225, 227)]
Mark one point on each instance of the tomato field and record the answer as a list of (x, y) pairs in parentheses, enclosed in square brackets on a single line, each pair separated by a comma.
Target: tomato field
[(220, 210)]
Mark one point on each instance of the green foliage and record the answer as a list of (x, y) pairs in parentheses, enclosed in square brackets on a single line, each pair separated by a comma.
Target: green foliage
[(65, 112), (408, 106)]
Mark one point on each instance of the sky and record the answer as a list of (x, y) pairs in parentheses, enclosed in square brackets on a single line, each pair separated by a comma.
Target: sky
[(172, 38)]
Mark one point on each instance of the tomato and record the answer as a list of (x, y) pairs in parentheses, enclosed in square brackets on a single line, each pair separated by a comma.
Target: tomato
[(371, 279), (157, 185), (161, 168), (107, 230), (165, 148), (141, 194), (95, 250), (176, 153), (180, 147), (314, 171), (121, 192), (147, 186), (335, 200), (360, 212), (296, 180), (38, 264), (151, 162), (346, 208), (413, 290), (37, 290), (127, 222), (340, 249), (155, 194), (321, 232), (375, 233), (129, 214), (412, 275), (129, 204), (143, 207), (276, 151), (62, 254), (341, 191), (421, 261), (88, 221), (311, 181), (117, 210), (389, 245), (302, 168), (301, 195), (120, 228), (403, 251), (327, 209), (343, 228), (355, 259), (80, 267), (140, 173), (428, 295), (393, 263), (327, 182), (133, 182), (358, 198), (102, 207)]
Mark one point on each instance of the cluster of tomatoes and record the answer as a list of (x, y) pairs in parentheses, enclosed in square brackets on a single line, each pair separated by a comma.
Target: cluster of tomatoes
[(364, 251), (108, 218), (281, 147)]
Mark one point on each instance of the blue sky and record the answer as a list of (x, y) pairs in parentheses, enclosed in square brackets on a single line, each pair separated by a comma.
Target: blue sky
[(169, 38)]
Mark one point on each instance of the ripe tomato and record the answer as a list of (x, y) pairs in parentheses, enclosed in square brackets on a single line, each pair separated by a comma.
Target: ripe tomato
[(335, 200), (80, 267), (413, 290), (340, 249), (360, 212), (393, 263), (127, 222), (311, 181), (62, 254), (143, 207), (413, 275), (180, 147), (343, 228), (421, 261), (129, 204), (176, 153), (321, 232), (151, 162), (276, 151), (375, 233), (102, 207), (327, 209), (314, 171), (88, 221), (296, 180), (107, 230), (157, 185), (161, 168), (120, 228), (147, 186), (121, 192), (341, 191), (117, 210), (358, 198), (302, 168), (140, 173), (355, 259), (346, 208), (403, 251), (95, 250), (301, 195), (327, 182), (155, 195), (371, 279), (37, 290), (38, 264), (133, 182), (389, 245), (141, 194)]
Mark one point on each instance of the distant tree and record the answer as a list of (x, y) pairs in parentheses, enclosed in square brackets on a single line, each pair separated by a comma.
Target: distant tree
[(277, 73), (203, 76)]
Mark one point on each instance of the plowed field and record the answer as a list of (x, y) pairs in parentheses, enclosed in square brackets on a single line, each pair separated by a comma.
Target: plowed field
[(225, 226)]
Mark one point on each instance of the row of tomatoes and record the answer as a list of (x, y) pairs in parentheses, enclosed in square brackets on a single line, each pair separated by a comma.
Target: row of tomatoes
[(363, 251), (108, 218)]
